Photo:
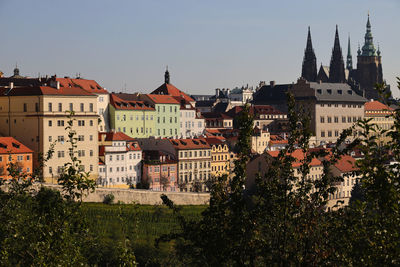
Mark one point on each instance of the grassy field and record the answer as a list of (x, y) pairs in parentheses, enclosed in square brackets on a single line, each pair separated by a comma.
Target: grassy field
[(141, 223)]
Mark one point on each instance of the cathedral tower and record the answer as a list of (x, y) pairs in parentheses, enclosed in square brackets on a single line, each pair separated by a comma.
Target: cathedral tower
[(336, 68), (309, 69), (349, 62), (369, 65)]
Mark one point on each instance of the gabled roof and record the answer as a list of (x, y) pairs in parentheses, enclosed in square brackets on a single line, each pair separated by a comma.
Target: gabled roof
[(169, 89), (88, 85), (114, 136), (9, 145), (162, 99), (121, 104), (44, 90), (215, 140), (195, 143)]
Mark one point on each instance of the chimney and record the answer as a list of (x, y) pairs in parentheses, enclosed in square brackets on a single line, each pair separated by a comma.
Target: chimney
[(58, 85), (272, 83), (217, 92), (11, 85)]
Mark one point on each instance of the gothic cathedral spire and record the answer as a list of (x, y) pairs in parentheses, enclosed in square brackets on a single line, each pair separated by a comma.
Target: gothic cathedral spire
[(309, 69), (336, 68), (349, 62)]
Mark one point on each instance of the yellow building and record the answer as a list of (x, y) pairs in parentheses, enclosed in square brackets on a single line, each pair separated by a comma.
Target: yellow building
[(220, 156), (381, 116), (38, 115)]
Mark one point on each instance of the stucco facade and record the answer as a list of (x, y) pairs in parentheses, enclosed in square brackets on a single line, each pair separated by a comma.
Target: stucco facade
[(37, 116)]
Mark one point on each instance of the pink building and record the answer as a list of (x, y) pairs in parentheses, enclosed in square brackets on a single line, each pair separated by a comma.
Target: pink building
[(159, 171)]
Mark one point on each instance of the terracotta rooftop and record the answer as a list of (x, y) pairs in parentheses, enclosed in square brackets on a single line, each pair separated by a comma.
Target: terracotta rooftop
[(376, 106), (215, 140), (114, 136), (346, 164), (9, 145), (44, 90), (169, 89), (162, 99), (299, 156), (88, 85), (195, 143), (121, 104)]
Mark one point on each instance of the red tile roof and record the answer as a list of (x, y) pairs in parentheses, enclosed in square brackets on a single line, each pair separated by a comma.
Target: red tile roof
[(346, 164), (377, 106), (9, 145), (162, 99), (195, 143), (88, 85), (215, 140), (276, 139), (44, 90), (299, 156), (169, 89), (111, 136), (121, 104)]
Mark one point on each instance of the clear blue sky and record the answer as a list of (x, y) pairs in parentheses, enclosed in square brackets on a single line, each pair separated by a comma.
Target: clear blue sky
[(206, 43)]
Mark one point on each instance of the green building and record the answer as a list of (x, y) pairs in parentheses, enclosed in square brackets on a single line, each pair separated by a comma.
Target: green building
[(166, 114), (136, 119)]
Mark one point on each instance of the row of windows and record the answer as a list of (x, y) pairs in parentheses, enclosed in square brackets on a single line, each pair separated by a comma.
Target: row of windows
[(70, 107), (164, 132), (61, 138), (188, 177), (190, 114), (186, 166), (61, 123), (219, 157), (343, 105), (60, 169), (80, 153), (189, 154), (19, 158), (142, 130), (142, 117), (122, 157), (189, 124), (170, 120), (163, 109), (219, 168), (121, 169), (128, 180), (164, 169), (336, 119)]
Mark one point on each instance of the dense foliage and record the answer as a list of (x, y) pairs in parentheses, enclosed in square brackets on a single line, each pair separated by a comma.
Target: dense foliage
[(285, 222)]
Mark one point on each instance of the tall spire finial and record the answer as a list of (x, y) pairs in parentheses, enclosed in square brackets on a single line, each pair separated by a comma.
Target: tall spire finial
[(349, 62), (166, 76), (336, 68), (368, 48), (309, 68)]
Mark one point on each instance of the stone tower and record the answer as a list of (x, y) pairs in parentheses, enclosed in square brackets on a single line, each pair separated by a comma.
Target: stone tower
[(309, 69), (369, 65), (336, 68)]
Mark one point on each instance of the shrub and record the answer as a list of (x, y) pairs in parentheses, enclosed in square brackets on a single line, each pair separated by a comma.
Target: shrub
[(108, 199)]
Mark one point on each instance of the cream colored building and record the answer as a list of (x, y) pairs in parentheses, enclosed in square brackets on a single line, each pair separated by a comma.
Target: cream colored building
[(381, 116), (103, 98), (332, 107), (220, 156), (259, 140), (38, 115)]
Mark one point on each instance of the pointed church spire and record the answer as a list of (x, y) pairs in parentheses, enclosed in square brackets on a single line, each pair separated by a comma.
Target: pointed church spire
[(336, 68), (166, 76), (309, 69), (349, 62), (368, 48)]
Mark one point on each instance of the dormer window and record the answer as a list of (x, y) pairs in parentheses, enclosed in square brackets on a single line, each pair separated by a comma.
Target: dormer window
[(329, 91), (319, 91), (349, 92), (339, 92)]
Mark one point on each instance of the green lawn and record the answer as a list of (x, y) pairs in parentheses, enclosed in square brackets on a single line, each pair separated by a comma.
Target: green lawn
[(141, 223)]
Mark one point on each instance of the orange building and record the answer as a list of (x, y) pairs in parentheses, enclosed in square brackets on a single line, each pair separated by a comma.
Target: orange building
[(13, 151)]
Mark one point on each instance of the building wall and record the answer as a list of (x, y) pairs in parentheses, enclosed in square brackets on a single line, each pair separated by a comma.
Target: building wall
[(134, 123), (336, 117), (259, 142), (34, 129), (102, 111), (193, 165), (167, 120), (121, 167), (153, 173), (23, 160), (220, 160), (381, 121), (190, 126)]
